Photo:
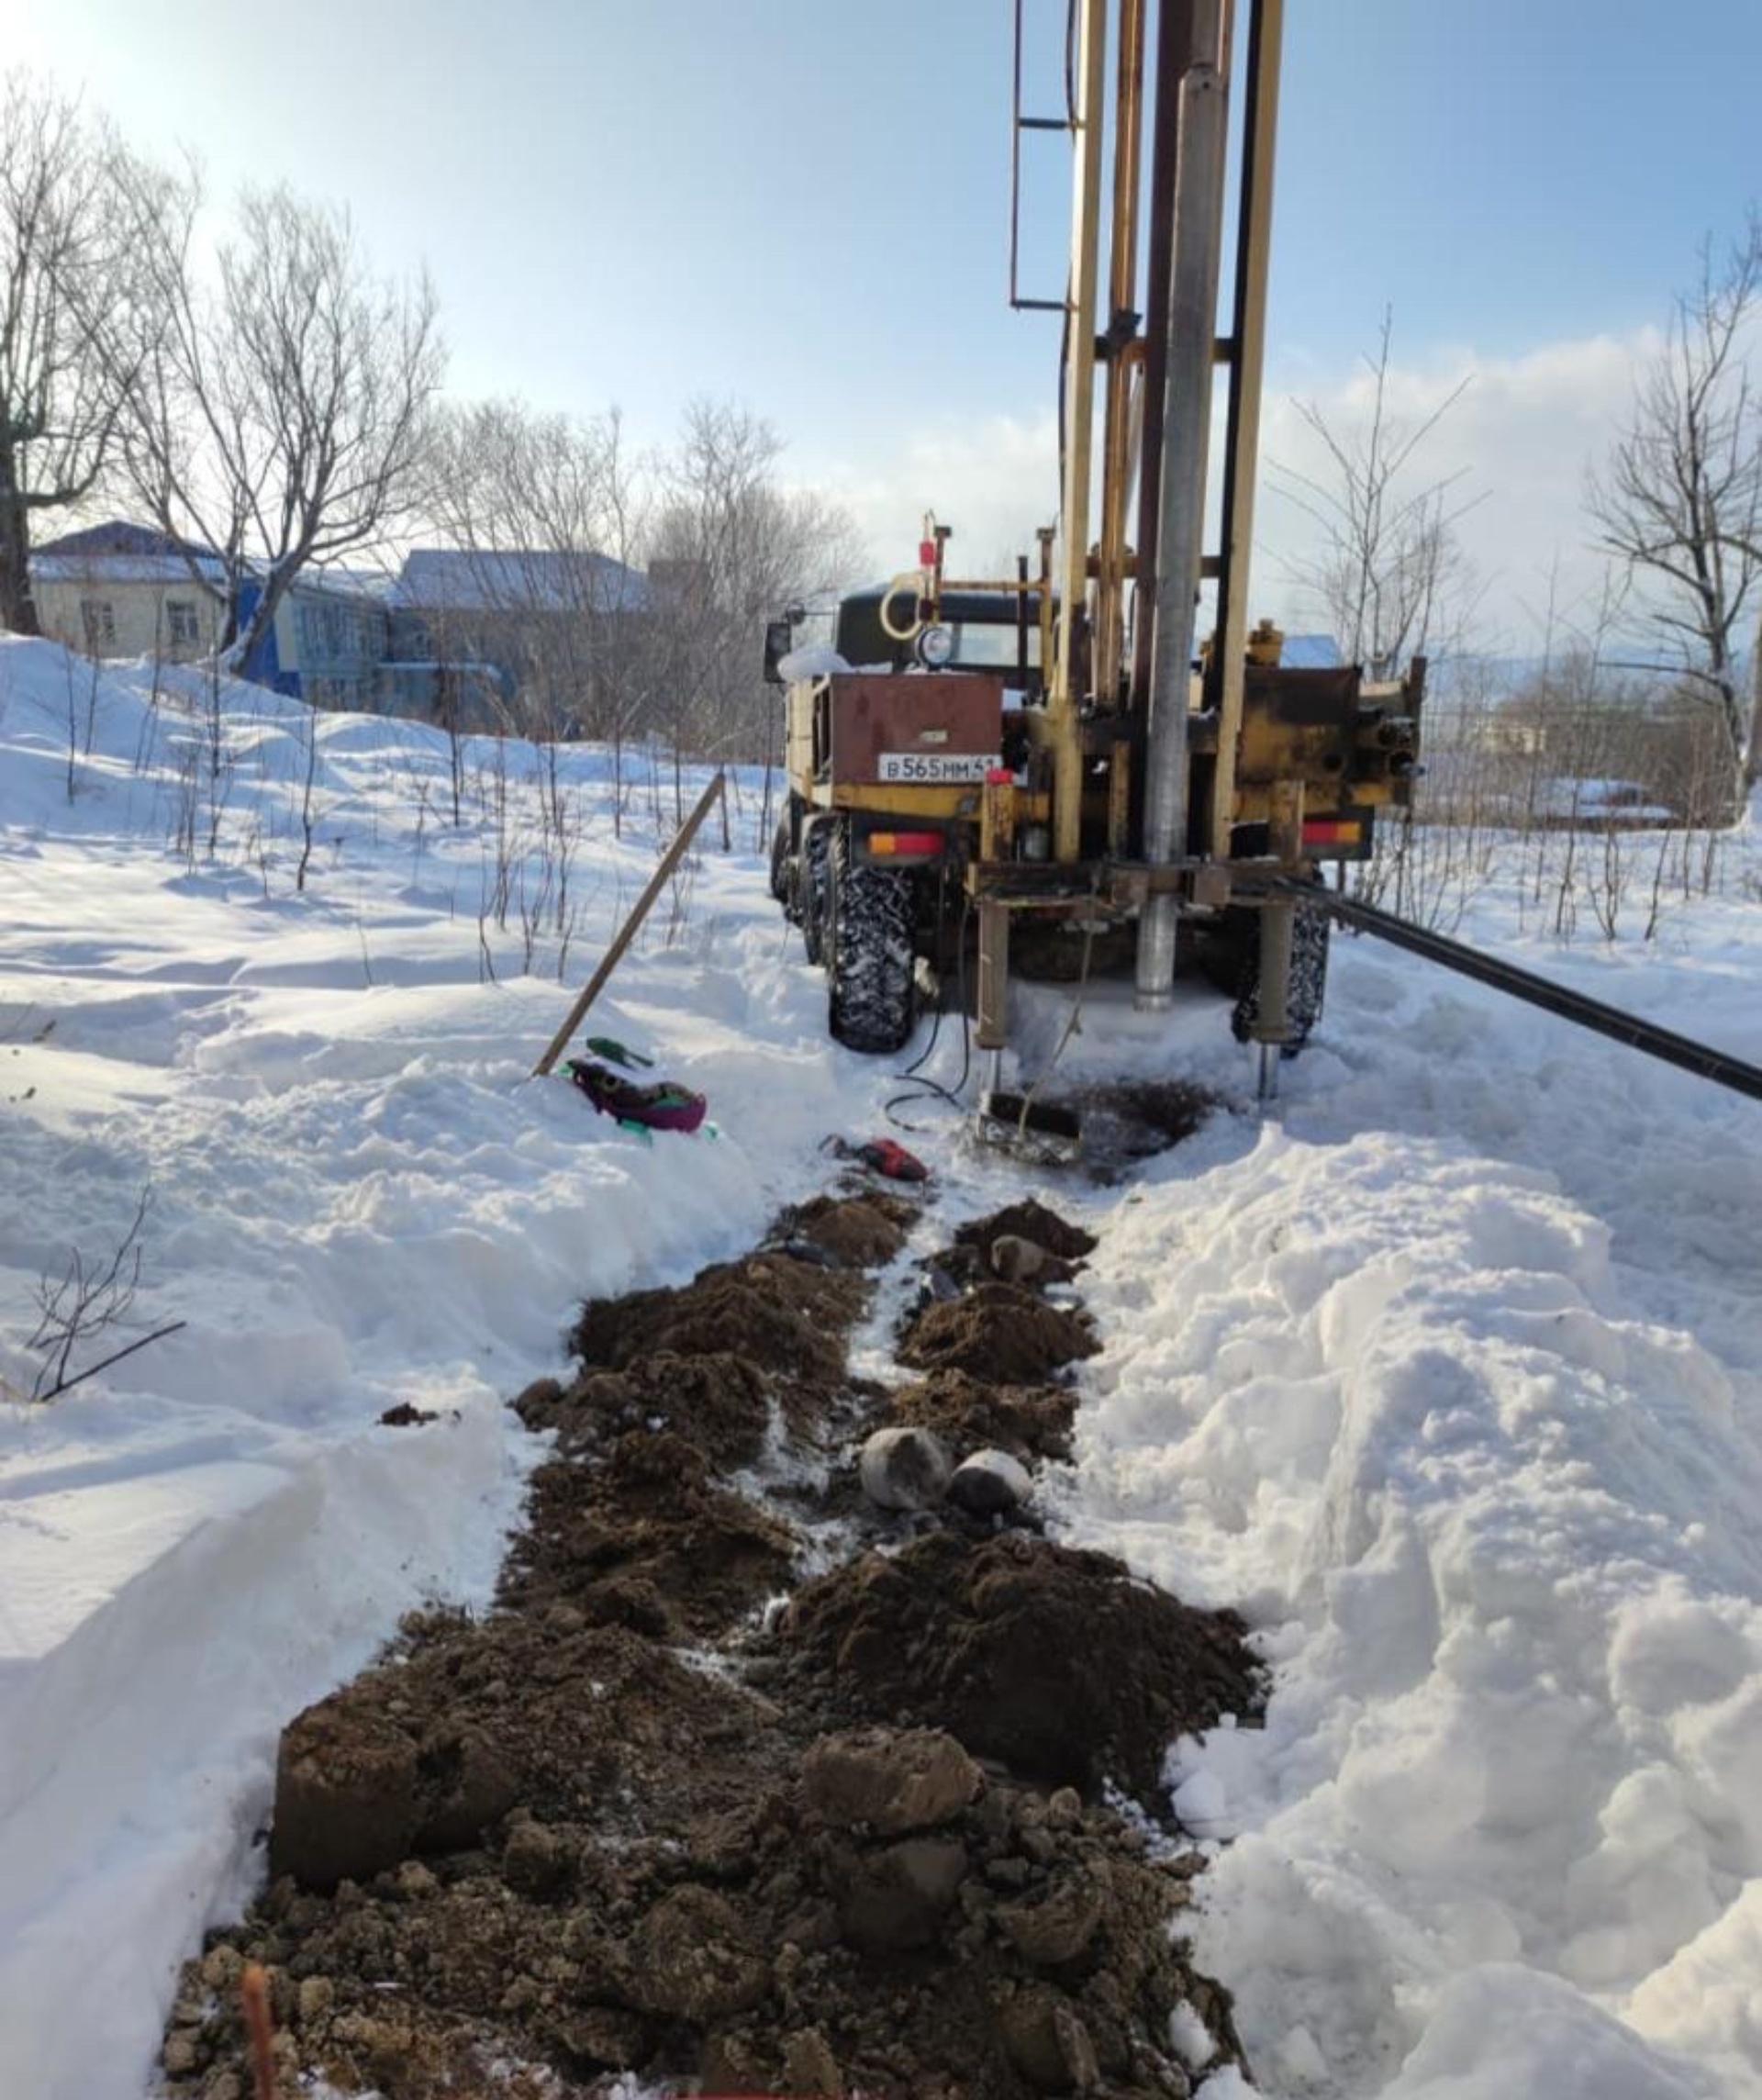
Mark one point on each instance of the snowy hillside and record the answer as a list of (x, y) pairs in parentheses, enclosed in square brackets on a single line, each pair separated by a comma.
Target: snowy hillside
[(1449, 1376)]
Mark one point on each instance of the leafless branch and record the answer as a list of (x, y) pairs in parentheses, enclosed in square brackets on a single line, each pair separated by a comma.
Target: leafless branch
[(84, 1302), (1391, 576)]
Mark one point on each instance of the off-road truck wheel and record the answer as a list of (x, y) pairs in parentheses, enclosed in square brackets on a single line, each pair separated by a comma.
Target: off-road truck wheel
[(786, 862), (871, 990), (813, 877)]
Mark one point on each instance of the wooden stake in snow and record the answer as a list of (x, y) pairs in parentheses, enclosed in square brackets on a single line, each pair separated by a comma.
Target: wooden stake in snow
[(628, 931)]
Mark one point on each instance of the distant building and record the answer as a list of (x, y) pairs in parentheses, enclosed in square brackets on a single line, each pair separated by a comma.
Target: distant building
[(477, 641), (328, 642), (118, 589), (489, 640)]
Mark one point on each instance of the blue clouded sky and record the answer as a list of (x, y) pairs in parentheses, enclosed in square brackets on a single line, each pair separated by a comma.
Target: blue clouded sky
[(803, 203)]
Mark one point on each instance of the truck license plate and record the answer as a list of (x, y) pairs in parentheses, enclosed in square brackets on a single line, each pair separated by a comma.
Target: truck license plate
[(935, 769)]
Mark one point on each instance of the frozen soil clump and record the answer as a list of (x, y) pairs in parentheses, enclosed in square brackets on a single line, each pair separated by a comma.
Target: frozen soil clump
[(1055, 1663), (861, 1232), (969, 1415), (879, 1916), (997, 1330), (612, 1827), (790, 1316), (1029, 1221)]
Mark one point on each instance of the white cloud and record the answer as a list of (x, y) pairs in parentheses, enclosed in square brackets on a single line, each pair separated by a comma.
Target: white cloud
[(1523, 436), (994, 481)]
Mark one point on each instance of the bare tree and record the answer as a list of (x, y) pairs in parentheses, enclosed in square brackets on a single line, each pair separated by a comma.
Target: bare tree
[(1391, 576), (545, 511), (1680, 499), (730, 548), (279, 417), (71, 299)]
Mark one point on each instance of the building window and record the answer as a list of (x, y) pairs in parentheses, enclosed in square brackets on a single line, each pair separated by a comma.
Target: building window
[(98, 621), (181, 626)]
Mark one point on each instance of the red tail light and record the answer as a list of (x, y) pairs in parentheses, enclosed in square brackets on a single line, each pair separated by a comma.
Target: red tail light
[(893, 845)]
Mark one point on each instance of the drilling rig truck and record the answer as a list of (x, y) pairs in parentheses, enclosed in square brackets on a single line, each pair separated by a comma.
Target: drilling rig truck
[(1060, 761)]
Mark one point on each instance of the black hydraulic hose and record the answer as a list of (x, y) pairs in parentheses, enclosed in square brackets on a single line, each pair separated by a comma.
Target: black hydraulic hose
[(1719, 1065), (921, 1088)]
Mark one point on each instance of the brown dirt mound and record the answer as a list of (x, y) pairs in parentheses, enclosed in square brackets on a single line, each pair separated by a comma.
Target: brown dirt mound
[(968, 1414), (719, 1403), (646, 1539), (878, 1919), (1055, 1662), (470, 1719), (787, 1315), (998, 1331), (1029, 1221), (862, 1231)]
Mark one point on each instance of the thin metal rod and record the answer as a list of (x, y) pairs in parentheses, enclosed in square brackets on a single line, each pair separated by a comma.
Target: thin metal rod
[(1017, 124), (1241, 443), (1015, 160), (1080, 429), (1266, 1078), (1124, 357)]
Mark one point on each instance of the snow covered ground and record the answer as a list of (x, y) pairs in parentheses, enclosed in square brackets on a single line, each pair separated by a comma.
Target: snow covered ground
[(1451, 1379), (1447, 1375)]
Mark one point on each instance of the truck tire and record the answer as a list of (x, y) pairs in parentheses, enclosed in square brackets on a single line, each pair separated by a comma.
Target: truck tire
[(1309, 977), (786, 875), (813, 871), (872, 992)]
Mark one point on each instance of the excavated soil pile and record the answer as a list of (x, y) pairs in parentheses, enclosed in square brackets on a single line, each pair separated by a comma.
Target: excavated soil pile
[(999, 1330), (969, 1415), (646, 1539), (725, 1398), (985, 1311), (1029, 1221), (1055, 1663), (861, 1232), (612, 1826), (771, 1309), (592, 1726)]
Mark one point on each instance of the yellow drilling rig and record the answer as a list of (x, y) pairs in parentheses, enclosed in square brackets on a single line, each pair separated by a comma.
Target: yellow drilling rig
[(1070, 757)]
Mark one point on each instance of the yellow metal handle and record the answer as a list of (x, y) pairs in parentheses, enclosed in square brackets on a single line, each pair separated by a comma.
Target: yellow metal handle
[(909, 579)]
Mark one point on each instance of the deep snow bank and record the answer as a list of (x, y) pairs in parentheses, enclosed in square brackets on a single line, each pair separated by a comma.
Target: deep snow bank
[(358, 1198), (1503, 1539)]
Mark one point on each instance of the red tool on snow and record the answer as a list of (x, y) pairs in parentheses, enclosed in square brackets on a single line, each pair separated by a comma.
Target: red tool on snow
[(881, 1155)]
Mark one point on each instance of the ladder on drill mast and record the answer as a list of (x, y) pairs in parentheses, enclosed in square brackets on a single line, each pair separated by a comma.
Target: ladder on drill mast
[(1160, 369)]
